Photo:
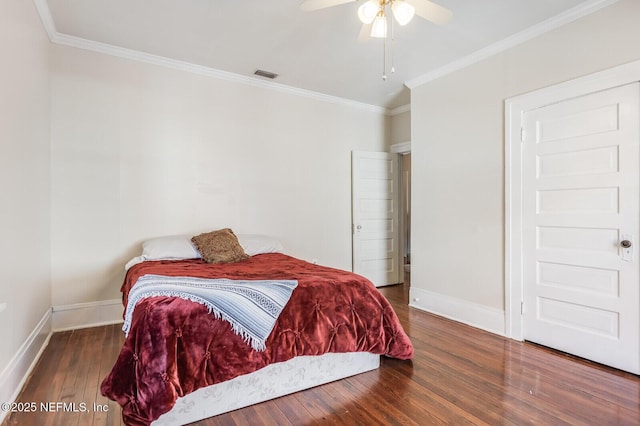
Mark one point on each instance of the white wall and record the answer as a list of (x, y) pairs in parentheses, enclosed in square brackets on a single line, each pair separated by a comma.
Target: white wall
[(25, 283), (400, 127), (140, 151), (458, 148)]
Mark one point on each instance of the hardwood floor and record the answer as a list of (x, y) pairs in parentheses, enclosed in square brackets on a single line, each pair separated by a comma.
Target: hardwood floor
[(459, 375)]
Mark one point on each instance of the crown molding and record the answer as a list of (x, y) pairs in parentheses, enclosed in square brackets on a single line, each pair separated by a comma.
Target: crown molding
[(45, 16), (400, 109), (557, 21), (135, 55)]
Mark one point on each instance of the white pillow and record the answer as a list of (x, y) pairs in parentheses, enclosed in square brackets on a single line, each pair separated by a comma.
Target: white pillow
[(172, 247), (134, 261), (257, 244)]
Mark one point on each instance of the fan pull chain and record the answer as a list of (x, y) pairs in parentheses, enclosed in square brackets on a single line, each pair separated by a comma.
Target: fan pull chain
[(393, 41), (384, 52), (384, 59)]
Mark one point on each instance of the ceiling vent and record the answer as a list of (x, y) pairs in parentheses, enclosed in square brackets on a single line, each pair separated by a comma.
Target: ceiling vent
[(266, 74)]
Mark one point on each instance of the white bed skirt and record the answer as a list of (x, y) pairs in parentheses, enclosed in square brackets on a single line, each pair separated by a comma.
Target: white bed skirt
[(271, 382)]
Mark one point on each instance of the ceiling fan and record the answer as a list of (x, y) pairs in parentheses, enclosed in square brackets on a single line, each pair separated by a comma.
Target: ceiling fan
[(373, 12)]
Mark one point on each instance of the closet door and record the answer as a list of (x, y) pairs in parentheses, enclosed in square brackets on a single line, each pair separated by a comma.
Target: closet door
[(581, 190)]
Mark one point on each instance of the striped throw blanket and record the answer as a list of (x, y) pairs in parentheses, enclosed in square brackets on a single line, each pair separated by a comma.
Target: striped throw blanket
[(251, 307)]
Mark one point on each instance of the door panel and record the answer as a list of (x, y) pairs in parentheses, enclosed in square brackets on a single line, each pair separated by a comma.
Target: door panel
[(581, 185), (375, 216)]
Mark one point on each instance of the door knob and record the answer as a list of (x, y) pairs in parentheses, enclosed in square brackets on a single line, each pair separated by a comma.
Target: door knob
[(626, 247)]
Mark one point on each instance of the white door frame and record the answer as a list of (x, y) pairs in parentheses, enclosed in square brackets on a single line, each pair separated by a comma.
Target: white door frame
[(514, 110)]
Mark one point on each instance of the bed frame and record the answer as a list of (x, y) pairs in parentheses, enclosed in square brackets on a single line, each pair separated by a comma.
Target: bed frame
[(271, 382)]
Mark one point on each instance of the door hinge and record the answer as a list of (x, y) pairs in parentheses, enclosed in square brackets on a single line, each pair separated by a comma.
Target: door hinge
[(522, 134), (521, 308)]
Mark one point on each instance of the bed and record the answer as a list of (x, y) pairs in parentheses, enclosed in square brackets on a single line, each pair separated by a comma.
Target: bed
[(180, 363)]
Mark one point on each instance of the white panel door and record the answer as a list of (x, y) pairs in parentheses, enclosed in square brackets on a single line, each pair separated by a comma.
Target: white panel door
[(581, 210), (375, 216)]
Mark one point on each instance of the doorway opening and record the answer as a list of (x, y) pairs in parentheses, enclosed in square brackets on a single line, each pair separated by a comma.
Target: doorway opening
[(405, 210), (403, 152)]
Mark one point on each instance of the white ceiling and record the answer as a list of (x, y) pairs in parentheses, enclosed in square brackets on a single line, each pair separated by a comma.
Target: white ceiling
[(316, 51)]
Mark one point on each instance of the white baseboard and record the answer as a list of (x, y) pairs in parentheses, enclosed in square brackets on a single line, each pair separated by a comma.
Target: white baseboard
[(14, 376), (479, 316), (85, 315)]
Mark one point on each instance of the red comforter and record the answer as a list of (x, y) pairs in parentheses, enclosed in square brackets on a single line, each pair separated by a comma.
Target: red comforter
[(175, 346)]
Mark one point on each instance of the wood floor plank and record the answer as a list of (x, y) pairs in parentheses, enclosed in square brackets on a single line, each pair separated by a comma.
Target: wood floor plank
[(459, 375), (340, 408), (307, 400), (45, 382), (296, 413), (90, 391)]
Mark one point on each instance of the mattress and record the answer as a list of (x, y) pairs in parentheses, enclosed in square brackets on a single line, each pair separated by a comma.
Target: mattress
[(175, 346)]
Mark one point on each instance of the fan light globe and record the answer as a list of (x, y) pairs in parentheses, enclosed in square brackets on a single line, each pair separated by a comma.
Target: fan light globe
[(379, 27), (368, 11), (402, 11)]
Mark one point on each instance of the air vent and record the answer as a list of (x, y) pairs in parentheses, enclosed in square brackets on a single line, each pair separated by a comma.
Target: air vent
[(266, 74)]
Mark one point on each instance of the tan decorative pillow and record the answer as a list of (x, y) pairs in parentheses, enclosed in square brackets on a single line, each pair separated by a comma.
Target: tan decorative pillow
[(219, 246)]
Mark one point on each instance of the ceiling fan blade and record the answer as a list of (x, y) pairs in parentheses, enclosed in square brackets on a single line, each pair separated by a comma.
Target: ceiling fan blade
[(311, 5), (431, 12), (364, 34)]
